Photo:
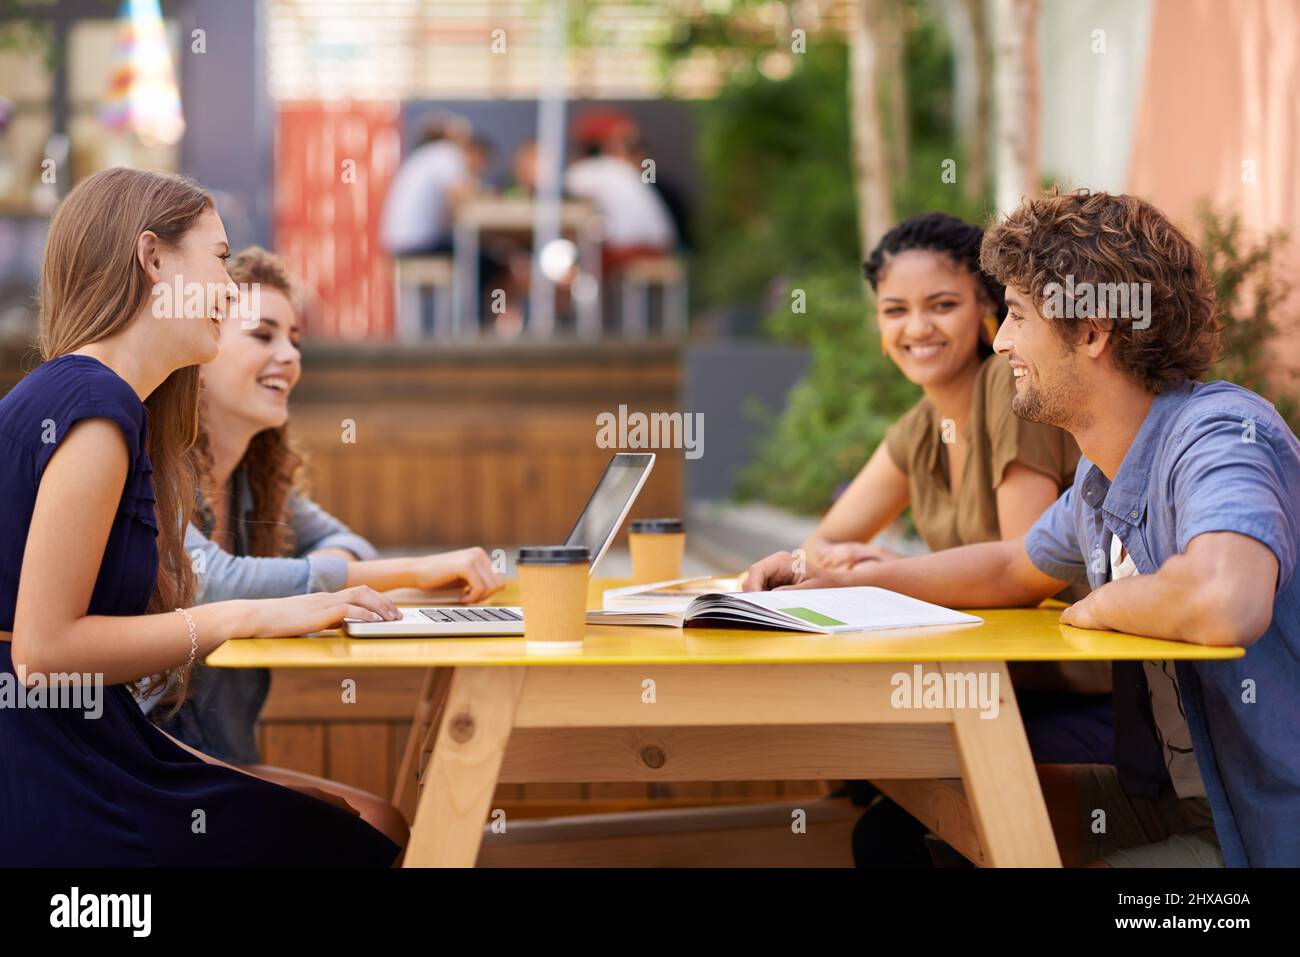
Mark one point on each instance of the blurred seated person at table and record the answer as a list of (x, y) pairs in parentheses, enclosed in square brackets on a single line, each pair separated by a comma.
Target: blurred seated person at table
[(255, 533), (420, 206), (438, 178), (674, 197), (523, 170), (479, 152), (637, 222)]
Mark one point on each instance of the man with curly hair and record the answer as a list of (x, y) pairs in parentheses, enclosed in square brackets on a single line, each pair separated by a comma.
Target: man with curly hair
[(1183, 519)]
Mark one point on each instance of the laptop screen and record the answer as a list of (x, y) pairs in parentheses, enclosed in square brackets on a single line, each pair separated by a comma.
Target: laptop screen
[(610, 503)]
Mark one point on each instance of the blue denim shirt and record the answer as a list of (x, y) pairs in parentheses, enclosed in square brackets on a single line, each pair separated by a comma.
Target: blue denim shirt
[(220, 716), (1209, 457)]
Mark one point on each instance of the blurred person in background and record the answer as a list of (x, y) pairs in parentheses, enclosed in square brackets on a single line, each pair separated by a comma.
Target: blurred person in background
[(523, 169), (418, 211), (443, 173), (637, 221)]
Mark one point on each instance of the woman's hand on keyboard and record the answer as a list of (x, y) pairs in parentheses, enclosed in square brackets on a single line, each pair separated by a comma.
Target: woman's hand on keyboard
[(303, 614)]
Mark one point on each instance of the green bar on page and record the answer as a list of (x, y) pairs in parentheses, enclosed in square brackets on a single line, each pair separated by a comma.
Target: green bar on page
[(812, 617)]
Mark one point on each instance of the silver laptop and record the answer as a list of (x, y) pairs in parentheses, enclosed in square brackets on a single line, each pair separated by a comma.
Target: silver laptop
[(596, 527)]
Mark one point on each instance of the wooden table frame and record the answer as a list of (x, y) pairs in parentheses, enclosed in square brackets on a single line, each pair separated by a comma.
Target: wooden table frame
[(732, 705), (969, 778)]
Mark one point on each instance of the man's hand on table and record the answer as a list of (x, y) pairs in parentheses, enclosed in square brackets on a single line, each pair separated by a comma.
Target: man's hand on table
[(1085, 613)]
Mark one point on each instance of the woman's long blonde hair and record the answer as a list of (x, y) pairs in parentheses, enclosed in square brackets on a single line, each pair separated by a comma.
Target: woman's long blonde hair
[(272, 463), (92, 285)]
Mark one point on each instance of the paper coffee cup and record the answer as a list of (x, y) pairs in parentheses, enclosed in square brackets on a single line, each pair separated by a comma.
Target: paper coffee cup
[(657, 546), (553, 589)]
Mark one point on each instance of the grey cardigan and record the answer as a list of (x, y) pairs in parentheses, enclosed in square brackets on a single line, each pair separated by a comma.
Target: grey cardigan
[(220, 716)]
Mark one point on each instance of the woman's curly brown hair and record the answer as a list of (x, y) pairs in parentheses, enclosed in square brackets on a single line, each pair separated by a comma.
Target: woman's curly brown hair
[(1113, 238), (271, 464)]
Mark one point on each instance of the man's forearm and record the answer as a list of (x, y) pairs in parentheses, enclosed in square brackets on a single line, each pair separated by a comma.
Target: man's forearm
[(1173, 603), (1139, 606), (987, 575)]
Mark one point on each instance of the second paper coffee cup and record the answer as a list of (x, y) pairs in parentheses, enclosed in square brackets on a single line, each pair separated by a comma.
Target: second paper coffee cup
[(657, 546)]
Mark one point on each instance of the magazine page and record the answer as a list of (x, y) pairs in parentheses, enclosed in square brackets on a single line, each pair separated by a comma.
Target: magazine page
[(849, 609)]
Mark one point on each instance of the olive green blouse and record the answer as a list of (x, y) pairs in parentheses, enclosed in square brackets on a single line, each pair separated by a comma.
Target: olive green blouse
[(995, 437)]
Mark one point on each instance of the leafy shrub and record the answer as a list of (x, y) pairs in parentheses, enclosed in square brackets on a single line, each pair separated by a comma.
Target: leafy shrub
[(838, 414), (1254, 307)]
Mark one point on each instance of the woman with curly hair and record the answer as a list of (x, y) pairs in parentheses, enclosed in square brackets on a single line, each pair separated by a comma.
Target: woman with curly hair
[(255, 534)]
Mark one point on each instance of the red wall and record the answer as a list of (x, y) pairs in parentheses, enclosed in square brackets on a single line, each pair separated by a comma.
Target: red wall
[(333, 166)]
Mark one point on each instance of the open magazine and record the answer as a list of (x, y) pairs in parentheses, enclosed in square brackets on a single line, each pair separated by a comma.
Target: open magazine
[(824, 611), (673, 595)]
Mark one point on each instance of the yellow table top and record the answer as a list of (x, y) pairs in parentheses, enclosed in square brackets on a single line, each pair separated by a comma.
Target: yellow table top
[(1007, 634)]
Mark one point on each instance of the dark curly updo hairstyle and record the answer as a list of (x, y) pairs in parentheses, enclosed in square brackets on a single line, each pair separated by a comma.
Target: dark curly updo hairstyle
[(939, 233)]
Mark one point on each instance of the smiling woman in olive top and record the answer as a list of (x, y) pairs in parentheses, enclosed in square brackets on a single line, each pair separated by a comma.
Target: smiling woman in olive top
[(969, 467)]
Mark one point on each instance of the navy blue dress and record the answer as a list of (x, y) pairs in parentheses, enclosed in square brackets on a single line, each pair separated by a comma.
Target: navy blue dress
[(80, 789)]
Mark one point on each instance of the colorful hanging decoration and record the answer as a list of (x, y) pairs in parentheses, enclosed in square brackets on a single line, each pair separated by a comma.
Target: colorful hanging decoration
[(142, 95)]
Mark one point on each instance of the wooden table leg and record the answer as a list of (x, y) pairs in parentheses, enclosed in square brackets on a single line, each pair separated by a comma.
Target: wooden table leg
[(941, 805), (404, 787), (461, 776), (433, 694), (1006, 801)]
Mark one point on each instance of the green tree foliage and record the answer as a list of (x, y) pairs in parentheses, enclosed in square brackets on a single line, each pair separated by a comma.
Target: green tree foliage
[(837, 415), (777, 174), (1253, 300), (780, 216)]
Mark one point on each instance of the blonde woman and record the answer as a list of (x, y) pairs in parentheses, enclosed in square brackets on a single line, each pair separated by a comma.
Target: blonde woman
[(97, 489)]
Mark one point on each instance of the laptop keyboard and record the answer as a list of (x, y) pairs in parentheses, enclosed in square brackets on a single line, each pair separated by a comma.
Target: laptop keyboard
[(457, 615)]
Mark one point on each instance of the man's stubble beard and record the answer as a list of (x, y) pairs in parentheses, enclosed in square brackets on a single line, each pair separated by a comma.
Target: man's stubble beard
[(1065, 405)]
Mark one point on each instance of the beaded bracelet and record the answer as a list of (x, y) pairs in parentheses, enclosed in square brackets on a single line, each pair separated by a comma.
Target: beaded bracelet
[(194, 639)]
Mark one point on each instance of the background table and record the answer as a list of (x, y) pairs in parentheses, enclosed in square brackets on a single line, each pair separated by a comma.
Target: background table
[(516, 215), (657, 704)]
